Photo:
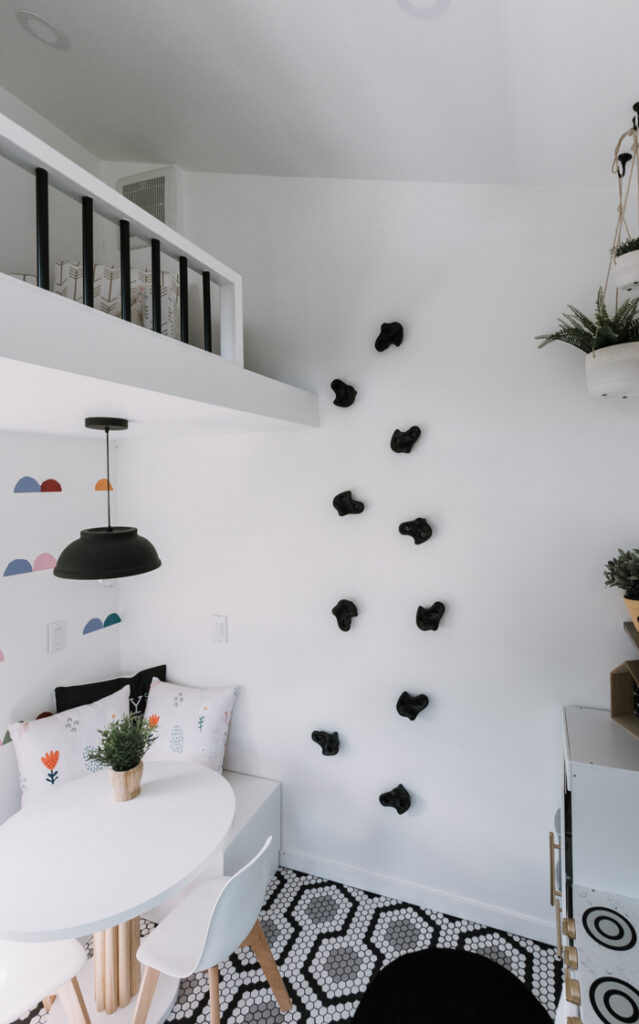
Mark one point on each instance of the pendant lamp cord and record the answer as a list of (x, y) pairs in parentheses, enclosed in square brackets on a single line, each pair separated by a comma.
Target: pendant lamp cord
[(106, 430)]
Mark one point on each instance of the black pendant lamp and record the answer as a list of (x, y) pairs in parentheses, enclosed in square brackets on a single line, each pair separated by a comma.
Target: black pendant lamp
[(107, 552)]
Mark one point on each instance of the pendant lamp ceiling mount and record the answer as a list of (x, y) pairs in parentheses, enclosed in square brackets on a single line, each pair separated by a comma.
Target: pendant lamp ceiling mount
[(106, 423)]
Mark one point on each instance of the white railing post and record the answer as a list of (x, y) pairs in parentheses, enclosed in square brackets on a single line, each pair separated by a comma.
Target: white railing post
[(231, 326)]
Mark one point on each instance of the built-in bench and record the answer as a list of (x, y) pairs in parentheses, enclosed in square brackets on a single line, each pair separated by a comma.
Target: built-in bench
[(257, 816)]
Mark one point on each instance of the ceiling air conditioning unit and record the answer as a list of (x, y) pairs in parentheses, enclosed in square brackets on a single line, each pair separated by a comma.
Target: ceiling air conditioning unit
[(159, 191)]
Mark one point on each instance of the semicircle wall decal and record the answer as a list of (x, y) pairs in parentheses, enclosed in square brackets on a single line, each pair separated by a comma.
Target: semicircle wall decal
[(17, 566), (112, 620), (103, 485), (29, 485), (44, 561), (50, 486), (92, 626)]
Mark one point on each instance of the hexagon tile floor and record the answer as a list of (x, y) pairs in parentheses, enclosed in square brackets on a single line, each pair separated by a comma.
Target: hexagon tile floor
[(330, 940)]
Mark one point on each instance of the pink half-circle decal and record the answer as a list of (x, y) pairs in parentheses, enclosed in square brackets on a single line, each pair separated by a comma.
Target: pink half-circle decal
[(50, 485), (44, 561)]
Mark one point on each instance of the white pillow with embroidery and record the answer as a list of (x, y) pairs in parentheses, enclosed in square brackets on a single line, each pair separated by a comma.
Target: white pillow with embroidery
[(53, 750), (192, 724)]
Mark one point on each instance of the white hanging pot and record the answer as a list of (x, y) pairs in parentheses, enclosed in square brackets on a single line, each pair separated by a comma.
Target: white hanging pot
[(614, 371), (626, 271)]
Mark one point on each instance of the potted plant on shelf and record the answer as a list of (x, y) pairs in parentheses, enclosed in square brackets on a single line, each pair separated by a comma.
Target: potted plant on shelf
[(623, 572), (123, 745), (626, 265), (611, 344)]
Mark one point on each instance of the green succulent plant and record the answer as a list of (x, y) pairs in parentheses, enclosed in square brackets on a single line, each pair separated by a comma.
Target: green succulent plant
[(602, 330), (623, 572), (124, 743), (630, 245)]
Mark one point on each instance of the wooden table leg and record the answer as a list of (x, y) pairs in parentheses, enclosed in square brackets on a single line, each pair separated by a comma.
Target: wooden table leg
[(116, 968)]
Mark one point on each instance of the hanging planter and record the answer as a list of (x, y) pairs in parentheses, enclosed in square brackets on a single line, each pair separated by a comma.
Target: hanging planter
[(623, 572), (626, 267), (610, 340)]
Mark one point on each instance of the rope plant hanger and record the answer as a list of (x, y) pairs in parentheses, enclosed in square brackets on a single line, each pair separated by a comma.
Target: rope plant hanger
[(610, 339)]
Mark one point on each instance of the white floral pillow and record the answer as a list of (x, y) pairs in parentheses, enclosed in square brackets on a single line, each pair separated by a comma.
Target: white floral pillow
[(192, 724), (53, 750)]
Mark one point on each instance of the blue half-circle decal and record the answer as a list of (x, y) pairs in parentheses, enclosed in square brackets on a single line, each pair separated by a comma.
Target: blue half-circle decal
[(26, 485), (92, 625), (18, 566), (112, 620)]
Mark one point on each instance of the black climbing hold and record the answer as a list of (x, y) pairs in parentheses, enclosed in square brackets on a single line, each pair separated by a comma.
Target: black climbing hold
[(399, 798), (344, 611), (623, 159), (402, 441), (429, 618), (390, 334), (344, 393), (409, 706), (328, 741), (418, 529), (346, 505)]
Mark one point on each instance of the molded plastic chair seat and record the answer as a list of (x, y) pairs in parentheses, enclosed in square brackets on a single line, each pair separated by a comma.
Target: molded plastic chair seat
[(33, 971), (204, 929)]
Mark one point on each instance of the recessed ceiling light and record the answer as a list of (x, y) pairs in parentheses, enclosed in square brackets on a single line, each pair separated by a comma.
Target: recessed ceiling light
[(426, 9), (43, 29)]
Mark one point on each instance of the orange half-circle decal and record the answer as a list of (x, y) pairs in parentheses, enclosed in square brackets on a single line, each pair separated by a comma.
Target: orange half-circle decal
[(103, 485)]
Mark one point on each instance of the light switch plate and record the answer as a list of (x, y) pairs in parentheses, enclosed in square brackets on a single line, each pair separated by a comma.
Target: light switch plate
[(56, 636), (220, 629)]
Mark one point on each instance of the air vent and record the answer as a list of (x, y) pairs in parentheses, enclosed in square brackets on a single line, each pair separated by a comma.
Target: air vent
[(158, 191)]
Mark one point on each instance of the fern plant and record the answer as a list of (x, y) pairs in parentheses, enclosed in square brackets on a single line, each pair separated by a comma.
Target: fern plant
[(124, 743), (623, 572), (602, 330), (630, 245)]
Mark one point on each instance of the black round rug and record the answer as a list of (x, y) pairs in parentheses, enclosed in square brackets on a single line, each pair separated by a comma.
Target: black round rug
[(448, 986)]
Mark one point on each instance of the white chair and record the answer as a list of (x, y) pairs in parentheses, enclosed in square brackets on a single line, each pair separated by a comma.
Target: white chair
[(204, 929), (31, 972)]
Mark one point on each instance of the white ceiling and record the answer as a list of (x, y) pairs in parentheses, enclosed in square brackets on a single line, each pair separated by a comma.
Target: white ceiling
[(491, 91)]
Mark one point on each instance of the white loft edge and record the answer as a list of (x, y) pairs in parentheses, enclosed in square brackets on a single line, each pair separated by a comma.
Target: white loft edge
[(28, 151), (61, 361)]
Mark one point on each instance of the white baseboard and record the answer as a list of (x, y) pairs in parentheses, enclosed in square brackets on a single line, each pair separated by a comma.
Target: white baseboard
[(483, 913)]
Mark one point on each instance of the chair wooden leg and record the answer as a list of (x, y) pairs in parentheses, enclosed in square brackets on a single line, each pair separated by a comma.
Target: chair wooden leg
[(259, 944), (73, 1002), (145, 997), (214, 994), (48, 1002)]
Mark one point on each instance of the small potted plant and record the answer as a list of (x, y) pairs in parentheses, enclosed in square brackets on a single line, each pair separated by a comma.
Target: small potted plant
[(123, 745), (626, 266), (623, 572), (611, 344)]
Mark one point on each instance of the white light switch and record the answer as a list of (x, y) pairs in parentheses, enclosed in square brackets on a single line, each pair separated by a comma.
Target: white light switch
[(220, 629), (56, 636)]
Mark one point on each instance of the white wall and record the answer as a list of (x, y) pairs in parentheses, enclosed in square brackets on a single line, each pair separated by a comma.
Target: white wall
[(527, 482), (46, 522)]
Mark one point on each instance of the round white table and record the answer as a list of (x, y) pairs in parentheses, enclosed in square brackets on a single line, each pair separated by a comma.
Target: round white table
[(75, 861)]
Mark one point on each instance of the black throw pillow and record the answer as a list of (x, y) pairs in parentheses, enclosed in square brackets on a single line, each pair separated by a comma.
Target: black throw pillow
[(67, 697)]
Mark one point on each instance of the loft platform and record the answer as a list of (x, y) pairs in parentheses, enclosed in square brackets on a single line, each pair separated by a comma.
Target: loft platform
[(61, 361)]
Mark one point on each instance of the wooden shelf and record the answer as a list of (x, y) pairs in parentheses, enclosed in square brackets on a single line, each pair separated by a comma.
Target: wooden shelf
[(632, 632)]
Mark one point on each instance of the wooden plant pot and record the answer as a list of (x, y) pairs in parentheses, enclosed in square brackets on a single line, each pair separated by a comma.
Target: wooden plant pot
[(614, 371), (126, 785), (626, 271), (633, 611)]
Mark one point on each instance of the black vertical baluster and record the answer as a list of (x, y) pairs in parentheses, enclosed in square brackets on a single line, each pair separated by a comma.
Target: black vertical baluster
[(87, 250), (42, 226), (125, 269), (156, 285), (206, 296), (184, 299)]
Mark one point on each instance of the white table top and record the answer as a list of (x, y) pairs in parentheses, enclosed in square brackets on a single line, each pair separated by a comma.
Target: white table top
[(76, 861)]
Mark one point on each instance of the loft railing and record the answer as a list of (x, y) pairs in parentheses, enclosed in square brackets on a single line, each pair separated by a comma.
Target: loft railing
[(52, 170)]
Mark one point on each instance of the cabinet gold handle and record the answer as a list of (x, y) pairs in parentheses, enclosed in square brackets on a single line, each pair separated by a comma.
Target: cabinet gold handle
[(571, 957), (573, 991), (558, 924), (569, 927), (552, 846)]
